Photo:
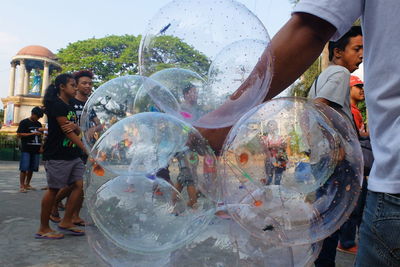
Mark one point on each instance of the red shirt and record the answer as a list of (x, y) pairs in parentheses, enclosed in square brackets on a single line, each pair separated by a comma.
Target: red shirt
[(357, 117)]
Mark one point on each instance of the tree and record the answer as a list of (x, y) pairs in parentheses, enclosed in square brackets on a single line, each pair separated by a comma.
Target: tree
[(107, 57), (168, 51), (303, 86), (113, 56)]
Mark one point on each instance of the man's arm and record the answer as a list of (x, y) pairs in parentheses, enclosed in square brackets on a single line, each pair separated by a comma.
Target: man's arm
[(294, 48), (71, 134)]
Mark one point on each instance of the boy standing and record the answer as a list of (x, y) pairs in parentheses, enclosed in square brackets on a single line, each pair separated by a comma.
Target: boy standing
[(29, 130)]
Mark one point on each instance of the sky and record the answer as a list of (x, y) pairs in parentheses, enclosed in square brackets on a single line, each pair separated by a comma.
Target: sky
[(55, 24)]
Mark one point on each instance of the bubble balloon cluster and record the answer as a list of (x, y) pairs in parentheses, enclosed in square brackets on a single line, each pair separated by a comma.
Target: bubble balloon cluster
[(287, 176), (219, 41), (291, 167)]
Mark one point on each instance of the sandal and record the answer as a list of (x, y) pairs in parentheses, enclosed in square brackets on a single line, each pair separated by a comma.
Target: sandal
[(50, 235), (29, 187), (22, 190), (55, 218)]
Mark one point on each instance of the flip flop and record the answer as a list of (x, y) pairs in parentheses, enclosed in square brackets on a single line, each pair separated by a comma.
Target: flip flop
[(81, 223), (55, 219), (49, 235), (72, 230)]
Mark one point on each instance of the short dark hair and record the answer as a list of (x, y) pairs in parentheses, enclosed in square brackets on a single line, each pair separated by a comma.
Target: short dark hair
[(344, 40), (37, 111), (187, 88), (83, 73)]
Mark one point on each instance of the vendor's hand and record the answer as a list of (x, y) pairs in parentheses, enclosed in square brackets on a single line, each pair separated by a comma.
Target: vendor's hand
[(37, 133), (69, 127)]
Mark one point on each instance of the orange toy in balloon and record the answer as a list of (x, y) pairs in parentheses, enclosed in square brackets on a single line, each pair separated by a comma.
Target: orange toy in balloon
[(243, 158), (258, 203), (98, 170)]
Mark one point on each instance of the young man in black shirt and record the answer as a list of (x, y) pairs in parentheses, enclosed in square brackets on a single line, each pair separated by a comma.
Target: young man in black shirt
[(84, 89), (30, 132)]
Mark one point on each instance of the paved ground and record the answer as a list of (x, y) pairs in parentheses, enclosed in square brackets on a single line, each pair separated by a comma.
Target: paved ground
[(19, 220)]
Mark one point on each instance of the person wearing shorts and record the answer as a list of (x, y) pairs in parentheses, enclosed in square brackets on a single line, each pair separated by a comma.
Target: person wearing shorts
[(30, 132), (62, 155)]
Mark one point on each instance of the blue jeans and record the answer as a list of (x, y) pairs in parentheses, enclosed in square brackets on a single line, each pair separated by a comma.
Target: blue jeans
[(380, 231)]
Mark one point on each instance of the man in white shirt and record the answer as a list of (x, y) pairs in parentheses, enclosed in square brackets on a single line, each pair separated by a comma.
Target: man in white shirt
[(296, 46), (299, 43)]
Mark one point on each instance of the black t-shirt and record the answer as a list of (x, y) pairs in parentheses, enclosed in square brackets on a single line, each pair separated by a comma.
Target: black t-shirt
[(58, 146), (30, 143), (77, 105)]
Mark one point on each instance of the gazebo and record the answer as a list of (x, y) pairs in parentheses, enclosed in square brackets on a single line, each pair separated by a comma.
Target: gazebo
[(34, 65)]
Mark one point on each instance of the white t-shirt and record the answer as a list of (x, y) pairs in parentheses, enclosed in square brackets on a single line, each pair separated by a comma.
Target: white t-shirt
[(380, 22), (333, 84)]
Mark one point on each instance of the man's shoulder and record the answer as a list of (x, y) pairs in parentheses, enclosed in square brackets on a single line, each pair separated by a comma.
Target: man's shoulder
[(332, 69), (26, 120), (74, 101)]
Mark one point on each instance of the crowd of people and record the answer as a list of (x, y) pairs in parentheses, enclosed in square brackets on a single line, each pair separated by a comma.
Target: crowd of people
[(294, 47)]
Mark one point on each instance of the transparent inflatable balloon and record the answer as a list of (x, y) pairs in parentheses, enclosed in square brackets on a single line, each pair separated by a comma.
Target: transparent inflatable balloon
[(192, 35), (188, 88), (292, 167), (224, 243), (115, 100), (305, 255)]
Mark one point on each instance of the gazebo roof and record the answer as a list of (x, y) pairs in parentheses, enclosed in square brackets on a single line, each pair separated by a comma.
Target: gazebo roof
[(36, 50)]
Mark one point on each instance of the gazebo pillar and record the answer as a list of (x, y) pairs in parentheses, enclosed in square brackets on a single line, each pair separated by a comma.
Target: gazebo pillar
[(46, 77), (26, 81), (11, 85), (21, 77)]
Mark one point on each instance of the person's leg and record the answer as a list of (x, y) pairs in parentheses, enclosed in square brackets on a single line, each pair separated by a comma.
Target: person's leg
[(72, 204), (28, 179), (347, 235), (76, 219), (278, 175), (379, 232), (23, 167), (34, 159), (192, 193), (62, 193), (75, 198), (47, 204), (326, 257), (22, 176)]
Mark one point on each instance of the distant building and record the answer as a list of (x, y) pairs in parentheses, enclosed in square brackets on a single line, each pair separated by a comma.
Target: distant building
[(34, 65)]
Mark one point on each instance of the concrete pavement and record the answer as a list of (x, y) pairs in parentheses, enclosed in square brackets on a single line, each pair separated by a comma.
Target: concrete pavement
[(19, 220)]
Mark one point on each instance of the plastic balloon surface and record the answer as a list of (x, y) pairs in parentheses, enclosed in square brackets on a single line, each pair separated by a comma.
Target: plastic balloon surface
[(115, 100), (292, 167), (181, 36)]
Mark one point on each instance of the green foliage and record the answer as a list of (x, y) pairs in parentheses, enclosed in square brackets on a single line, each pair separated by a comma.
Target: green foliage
[(169, 51), (107, 57), (113, 56), (1, 115), (303, 87)]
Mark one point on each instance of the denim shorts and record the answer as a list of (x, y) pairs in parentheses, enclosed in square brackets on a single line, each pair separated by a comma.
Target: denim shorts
[(62, 173), (380, 231), (29, 162)]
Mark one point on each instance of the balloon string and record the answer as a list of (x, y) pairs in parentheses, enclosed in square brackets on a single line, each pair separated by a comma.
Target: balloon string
[(245, 174), (233, 171)]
